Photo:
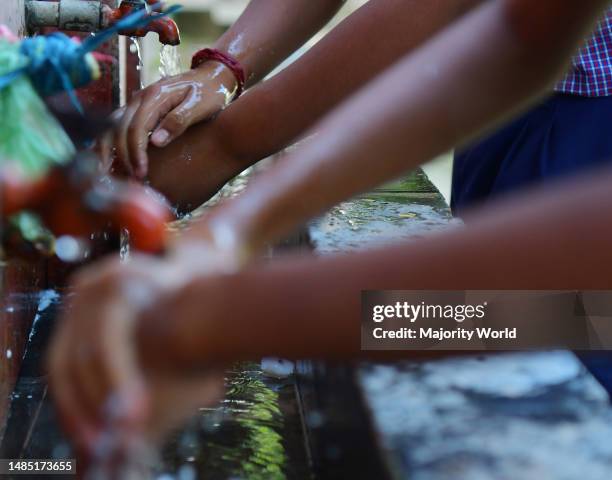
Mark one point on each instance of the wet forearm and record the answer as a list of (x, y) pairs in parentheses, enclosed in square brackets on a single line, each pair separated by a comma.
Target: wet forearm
[(304, 308), (268, 31), (276, 112), (469, 77)]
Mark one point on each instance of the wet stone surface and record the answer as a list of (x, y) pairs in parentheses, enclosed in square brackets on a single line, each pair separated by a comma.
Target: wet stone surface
[(407, 209), (383, 218), (255, 433), (525, 415)]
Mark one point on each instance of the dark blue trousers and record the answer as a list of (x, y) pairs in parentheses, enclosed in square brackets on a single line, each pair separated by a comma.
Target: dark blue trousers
[(564, 135)]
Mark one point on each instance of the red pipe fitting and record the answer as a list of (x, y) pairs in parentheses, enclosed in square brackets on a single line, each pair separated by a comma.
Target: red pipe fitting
[(72, 203), (166, 28)]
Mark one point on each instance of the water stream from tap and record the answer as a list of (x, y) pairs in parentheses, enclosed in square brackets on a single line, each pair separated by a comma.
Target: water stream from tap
[(169, 65), (169, 61), (136, 49), (124, 245)]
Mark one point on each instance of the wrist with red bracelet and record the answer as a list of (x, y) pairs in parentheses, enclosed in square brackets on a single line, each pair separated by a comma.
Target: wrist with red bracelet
[(212, 54)]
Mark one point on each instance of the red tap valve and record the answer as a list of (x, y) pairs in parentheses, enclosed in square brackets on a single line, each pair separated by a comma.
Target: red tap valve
[(166, 28), (71, 201)]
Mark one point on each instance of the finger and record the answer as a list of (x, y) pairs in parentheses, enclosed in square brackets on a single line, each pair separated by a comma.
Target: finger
[(73, 418), (174, 124), (153, 108), (109, 382), (118, 362), (91, 382), (121, 133), (99, 388), (77, 353), (104, 149), (104, 144), (111, 400)]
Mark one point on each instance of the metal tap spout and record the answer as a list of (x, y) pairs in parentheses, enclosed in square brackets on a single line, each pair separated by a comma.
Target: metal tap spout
[(94, 15), (166, 28)]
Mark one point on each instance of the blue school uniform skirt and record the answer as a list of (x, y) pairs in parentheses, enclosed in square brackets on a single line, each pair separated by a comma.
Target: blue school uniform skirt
[(563, 135)]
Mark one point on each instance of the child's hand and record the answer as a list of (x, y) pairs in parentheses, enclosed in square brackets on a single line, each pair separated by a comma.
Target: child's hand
[(115, 370), (166, 109)]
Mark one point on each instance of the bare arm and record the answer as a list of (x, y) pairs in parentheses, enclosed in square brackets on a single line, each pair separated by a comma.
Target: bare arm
[(308, 308), (266, 33), (363, 45), (276, 112), (471, 76)]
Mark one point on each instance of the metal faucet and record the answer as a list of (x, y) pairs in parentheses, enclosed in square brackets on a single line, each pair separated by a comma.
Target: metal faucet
[(166, 28), (94, 15)]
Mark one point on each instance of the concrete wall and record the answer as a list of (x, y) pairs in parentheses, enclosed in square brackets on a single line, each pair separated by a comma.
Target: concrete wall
[(12, 14)]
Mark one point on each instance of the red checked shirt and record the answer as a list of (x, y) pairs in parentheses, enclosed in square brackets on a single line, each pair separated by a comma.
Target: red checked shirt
[(591, 72)]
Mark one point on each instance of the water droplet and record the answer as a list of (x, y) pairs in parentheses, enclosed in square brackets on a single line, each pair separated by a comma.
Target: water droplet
[(124, 248), (186, 472), (315, 419), (69, 249)]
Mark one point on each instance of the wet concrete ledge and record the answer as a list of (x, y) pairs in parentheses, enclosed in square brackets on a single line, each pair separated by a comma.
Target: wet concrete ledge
[(504, 417)]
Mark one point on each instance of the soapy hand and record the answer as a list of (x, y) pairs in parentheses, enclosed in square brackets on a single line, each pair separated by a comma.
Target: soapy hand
[(114, 369), (190, 171), (161, 112)]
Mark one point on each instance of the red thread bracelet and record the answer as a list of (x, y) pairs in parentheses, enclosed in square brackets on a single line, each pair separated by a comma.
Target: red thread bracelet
[(230, 62)]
